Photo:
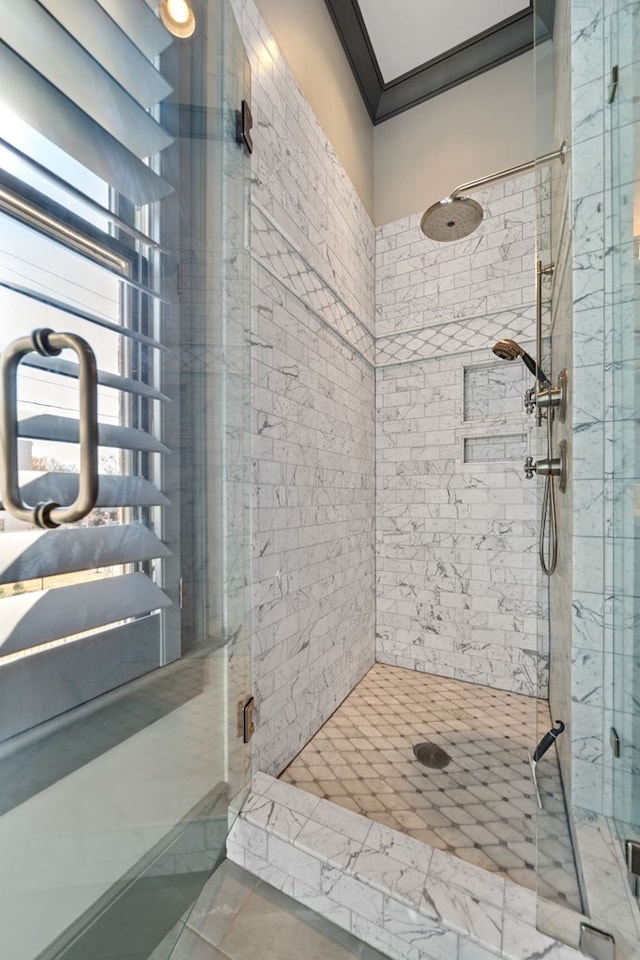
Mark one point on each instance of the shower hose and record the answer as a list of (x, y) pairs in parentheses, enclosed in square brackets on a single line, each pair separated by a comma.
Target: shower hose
[(549, 559)]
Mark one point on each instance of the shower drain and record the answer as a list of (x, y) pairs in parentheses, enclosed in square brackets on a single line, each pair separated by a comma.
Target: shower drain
[(430, 755)]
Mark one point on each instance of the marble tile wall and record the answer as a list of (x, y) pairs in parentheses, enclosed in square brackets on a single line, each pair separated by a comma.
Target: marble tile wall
[(604, 351), (313, 434), (592, 334), (421, 283), (456, 535), (312, 542), (298, 178), (589, 748)]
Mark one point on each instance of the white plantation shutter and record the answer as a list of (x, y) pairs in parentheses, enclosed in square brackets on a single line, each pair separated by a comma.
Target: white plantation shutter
[(80, 75), (77, 101)]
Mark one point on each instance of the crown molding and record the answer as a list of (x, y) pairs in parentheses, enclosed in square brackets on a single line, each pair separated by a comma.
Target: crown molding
[(498, 44)]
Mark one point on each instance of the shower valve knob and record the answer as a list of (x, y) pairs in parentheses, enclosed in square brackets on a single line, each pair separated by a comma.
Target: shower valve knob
[(544, 467), (530, 400), (549, 467)]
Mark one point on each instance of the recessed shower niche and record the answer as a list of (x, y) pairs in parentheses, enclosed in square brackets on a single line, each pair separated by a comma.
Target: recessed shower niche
[(493, 391)]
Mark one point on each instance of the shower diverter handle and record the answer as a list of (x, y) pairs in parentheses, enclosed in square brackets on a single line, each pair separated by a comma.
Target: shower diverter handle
[(545, 467), (549, 466)]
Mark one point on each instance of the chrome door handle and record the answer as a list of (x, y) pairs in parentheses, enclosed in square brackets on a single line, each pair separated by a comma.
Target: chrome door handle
[(49, 514)]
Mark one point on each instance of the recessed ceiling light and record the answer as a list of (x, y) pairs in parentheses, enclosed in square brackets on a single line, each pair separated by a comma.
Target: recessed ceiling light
[(178, 17)]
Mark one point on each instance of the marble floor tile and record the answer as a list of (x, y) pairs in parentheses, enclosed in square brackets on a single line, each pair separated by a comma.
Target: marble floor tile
[(238, 917), (191, 946), (481, 806)]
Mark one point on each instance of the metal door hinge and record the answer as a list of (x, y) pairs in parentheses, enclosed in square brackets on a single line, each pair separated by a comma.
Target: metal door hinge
[(615, 81), (632, 856), (246, 722), (244, 125), (180, 593), (615, 742), (597, 944)]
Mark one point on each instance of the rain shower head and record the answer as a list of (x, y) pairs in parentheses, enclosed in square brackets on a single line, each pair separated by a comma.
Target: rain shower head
[(510, 350), (451, 219), (457, 216)]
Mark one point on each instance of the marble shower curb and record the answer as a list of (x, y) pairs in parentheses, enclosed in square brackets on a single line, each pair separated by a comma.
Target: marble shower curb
[(396, 894)]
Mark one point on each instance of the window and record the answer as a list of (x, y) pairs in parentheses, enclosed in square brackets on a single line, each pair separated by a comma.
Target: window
[(75, 255)]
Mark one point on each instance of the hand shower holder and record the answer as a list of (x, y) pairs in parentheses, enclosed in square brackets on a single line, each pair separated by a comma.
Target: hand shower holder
[(554, 398), (549, 467)]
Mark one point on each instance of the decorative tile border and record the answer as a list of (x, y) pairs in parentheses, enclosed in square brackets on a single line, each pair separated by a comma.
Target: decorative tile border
[(278, 254), (474, 333), (395, 893)]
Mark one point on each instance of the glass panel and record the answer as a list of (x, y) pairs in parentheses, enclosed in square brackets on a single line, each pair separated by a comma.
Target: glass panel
[(123, 759), (557, 886), (622, 486), (589, 224)]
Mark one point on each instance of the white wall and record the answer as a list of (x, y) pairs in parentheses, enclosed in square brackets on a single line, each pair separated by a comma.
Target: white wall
[(404, 164), (308, 40), (475, 129)]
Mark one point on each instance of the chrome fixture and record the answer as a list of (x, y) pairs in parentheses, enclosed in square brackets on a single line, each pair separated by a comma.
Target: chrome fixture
[(455, 217), (547, 401), (632, 857), (510, 350), (451, 219), (597, 944), (178, 17), (552, 397), (549, 467), (49, 515)]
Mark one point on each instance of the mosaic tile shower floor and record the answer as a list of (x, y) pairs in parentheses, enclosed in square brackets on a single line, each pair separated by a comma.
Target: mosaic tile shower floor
[(481, 806)]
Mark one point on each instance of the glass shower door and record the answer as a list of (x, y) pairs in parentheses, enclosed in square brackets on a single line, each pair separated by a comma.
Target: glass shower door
[(622, 274), (123, 636)]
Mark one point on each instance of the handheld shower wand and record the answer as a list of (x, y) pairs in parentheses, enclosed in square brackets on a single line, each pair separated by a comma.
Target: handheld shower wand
[(510, 350), (550, 467)]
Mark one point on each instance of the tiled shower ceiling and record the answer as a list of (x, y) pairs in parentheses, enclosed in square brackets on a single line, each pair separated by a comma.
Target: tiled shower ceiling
[(407, 51)]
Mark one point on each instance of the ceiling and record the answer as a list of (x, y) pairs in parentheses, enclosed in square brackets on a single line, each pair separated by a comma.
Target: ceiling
[(406, 51)]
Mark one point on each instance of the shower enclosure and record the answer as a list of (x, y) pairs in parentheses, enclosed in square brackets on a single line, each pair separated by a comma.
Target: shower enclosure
[(124, 666), (588, 227)]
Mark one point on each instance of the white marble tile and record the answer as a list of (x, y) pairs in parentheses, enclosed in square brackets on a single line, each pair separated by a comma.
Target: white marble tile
[(429, 937), (405, 882), (288, 796), (384, 941), (448, 870), (325, 906), (294, 862), (399, 847), (360, 899), (337, 849), (473, 951), (346, 822), (520, 903), (521, 942), (250, 838), (465, 913), (270, 815)]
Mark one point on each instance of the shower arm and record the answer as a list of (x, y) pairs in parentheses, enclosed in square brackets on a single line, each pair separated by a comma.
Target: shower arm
[(510, 172)]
